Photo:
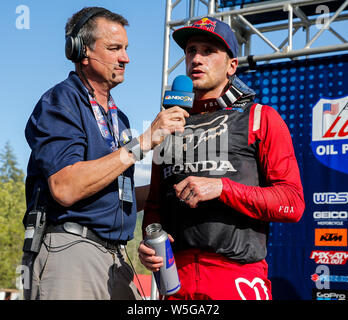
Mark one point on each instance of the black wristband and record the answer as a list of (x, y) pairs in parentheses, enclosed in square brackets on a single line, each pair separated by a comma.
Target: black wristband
[(134, 147)]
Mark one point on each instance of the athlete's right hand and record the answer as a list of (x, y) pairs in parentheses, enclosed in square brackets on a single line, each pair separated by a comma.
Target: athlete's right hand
[(148, 258)]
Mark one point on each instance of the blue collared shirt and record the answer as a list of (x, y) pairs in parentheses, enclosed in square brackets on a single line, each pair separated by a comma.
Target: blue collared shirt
[(61, 131)]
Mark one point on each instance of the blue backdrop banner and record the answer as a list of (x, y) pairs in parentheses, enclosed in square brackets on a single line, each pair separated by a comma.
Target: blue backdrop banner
[(309, 259)]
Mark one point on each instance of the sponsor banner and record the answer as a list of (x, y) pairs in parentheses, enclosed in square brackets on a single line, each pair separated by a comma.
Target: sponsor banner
[(329, 278), (331, 237), (330, 132), (329, 257), (330, 197), (325, 294), (311, 96), (330, 218)]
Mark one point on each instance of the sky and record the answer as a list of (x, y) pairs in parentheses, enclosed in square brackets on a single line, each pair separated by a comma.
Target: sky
[(32, 60)]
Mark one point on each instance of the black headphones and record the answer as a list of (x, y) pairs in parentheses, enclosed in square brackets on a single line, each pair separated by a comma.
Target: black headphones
[(74, 47)]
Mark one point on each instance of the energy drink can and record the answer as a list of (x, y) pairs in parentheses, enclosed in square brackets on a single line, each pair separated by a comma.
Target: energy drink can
[(167, 278)]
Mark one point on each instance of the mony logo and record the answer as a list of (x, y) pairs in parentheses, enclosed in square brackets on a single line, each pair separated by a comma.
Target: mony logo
[(330, 133)]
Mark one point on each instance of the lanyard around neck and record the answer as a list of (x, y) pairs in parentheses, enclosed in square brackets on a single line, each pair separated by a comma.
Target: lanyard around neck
[(112, 139)]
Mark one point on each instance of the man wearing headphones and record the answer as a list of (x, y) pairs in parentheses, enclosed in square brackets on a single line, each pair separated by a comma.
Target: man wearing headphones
[(80, 172)]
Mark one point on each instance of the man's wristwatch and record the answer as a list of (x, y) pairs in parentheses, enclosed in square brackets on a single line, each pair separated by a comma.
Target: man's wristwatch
[(134, 147)]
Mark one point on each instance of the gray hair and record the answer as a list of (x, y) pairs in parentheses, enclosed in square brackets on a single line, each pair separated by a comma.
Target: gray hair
[(89, 31)]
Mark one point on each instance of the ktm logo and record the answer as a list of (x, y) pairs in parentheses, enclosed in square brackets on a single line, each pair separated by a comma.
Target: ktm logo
[(331, 237)]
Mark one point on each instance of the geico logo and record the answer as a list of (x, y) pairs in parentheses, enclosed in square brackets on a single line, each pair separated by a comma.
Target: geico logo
[(182, 98), (332, 295), (330, 215)]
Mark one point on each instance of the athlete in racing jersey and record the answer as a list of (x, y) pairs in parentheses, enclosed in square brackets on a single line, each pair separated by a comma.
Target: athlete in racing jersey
[(234, 172)]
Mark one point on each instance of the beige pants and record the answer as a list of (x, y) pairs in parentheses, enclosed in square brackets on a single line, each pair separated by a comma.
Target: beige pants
[(69, 267)]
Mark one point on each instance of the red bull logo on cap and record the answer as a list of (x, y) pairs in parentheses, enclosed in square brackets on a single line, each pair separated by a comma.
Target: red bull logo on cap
[(205, 24)]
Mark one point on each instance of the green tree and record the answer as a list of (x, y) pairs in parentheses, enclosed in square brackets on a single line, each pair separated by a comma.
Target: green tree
[(12, 208), (132, 247), (8, 166)]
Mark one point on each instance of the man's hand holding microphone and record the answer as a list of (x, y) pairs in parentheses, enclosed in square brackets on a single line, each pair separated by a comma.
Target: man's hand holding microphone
[(176, 103), (167, 122)]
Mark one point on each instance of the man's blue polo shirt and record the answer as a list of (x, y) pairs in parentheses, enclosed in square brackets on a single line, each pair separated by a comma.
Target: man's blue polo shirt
[(61, 131)]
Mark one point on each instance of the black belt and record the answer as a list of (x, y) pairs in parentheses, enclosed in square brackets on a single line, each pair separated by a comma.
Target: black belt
[(84, 232)]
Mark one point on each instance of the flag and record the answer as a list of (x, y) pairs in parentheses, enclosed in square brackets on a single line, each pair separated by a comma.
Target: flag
[(330, 108)]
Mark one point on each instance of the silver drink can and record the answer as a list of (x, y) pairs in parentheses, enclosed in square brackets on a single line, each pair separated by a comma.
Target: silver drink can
[(167, 278)]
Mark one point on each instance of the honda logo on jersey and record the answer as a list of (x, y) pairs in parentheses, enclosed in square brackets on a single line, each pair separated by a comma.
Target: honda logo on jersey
[(330, 133)]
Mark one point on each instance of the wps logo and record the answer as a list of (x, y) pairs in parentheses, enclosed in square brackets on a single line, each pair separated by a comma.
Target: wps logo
[(331, 237), (330, 133), (330, 198)]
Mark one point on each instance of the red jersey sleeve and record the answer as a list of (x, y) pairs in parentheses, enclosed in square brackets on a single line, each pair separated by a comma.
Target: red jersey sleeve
[(281, 199)]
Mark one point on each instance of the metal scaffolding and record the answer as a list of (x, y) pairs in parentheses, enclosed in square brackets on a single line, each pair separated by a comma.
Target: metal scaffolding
[(262, 19)]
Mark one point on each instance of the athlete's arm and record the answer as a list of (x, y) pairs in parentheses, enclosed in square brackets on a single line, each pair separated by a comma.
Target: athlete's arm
[(281, 199)]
